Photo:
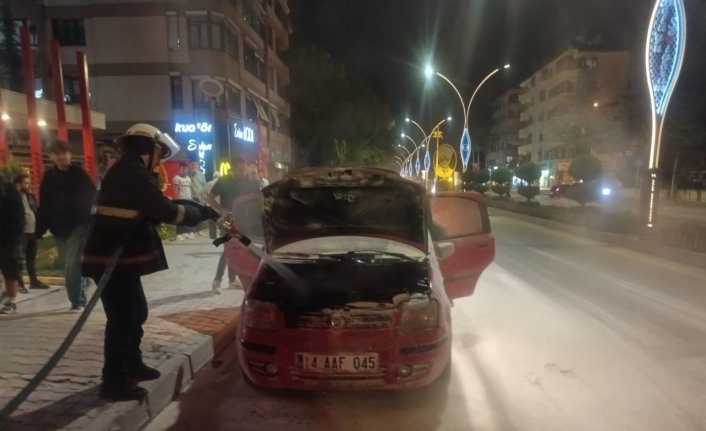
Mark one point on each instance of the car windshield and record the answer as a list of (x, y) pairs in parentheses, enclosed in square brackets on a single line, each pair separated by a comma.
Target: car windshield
[(374, 214)]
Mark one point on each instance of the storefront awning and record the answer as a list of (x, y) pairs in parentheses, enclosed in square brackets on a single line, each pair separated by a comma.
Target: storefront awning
[(14, 113)]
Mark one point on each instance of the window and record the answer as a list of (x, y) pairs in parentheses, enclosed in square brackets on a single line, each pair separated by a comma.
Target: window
[(514, 98), (69, 32), (588, 63), (541, 137), (217, 35), (177, 92), (198, 33), (545, 74), (250, 110), (541, 116), (253, 18), (173, 42), (233, 97), (231, 44), (542, 95), (199, 99), (71, 90), (458, 217), (253, 63)]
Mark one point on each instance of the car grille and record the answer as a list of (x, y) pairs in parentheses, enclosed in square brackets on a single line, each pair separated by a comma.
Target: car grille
[(346, 320)]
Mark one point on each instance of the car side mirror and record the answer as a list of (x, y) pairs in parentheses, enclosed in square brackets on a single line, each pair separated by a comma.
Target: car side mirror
[(444, 249)]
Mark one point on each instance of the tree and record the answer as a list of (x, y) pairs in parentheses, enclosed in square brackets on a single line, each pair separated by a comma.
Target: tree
[(586, 168), (336, 118), (501, 179), (528, 172), (476, 179)]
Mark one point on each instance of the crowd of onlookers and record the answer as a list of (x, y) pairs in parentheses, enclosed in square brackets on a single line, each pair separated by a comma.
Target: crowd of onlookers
[(66, 196)]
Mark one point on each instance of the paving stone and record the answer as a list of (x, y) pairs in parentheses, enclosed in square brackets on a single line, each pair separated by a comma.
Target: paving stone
[(184, 317)]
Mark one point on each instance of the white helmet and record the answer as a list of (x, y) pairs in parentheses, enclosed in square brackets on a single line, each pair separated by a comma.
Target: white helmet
[(169, 147)]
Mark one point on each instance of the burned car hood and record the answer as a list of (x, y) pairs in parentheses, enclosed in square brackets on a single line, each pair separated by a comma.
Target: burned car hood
[(320, 202)]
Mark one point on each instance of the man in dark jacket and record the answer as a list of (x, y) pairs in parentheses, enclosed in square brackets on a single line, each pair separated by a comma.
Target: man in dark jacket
[(29, 237), (128, 209), (11, 224), (65, 196)]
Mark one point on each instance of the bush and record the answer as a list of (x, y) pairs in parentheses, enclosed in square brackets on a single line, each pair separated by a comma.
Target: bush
[(528, 172), (501, 175), (582, 193), (480, 188), (586, 168), (528, 191), (500, 189)]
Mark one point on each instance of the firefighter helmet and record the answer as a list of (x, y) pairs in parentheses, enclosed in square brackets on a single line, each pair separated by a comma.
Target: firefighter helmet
[(169, 147)]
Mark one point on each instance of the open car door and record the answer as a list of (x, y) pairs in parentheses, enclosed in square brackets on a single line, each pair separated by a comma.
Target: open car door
[(247, 215), (461, 233)]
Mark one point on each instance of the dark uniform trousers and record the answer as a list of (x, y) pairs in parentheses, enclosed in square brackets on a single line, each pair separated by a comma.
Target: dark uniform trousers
[(126, 310)]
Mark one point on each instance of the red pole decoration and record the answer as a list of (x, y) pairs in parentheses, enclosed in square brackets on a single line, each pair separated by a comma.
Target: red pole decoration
[(58, 76), (4, 150), (32, 126), (88, 153)]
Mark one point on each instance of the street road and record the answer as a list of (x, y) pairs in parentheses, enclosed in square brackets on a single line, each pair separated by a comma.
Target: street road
[(562, 334)]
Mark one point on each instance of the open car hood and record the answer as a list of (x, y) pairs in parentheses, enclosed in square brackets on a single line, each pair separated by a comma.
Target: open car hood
[(320, 202)]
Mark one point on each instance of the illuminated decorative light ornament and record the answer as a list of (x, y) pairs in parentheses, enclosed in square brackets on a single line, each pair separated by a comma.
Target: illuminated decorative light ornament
[(418, 165), (666, 41), (664, 55), (427, 160), (465, 148)]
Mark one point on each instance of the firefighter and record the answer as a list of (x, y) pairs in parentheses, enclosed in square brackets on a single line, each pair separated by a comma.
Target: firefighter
[(128, 208)]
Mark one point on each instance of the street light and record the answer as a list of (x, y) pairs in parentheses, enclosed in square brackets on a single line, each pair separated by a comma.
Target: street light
[(465, 145), (417, 165)]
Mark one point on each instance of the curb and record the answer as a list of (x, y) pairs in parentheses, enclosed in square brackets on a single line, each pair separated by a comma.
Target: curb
[(177, 374), (665, 252), (52, 281)]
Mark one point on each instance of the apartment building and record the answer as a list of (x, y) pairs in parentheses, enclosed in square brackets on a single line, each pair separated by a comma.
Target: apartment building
[(574, 105), (505, 132), (209, 72)]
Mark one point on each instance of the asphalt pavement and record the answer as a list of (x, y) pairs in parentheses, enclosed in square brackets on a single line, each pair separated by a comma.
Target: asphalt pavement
[(563, 333), (188, 323)]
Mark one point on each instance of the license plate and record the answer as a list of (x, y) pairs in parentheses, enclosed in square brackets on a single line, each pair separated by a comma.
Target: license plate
[(349, 363)]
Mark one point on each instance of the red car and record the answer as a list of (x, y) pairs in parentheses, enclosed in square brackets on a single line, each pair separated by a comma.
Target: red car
[(366, 268)]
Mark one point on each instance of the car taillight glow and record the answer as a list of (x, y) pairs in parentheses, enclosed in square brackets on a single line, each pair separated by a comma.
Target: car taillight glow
[(418, 315), (260, 314)]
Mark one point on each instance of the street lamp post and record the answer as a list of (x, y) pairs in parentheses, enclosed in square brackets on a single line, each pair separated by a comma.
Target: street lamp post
[(664, 54), (465, 145), (417, 165)]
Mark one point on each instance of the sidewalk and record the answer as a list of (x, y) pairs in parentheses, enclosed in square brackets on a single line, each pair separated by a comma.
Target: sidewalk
[(187, 324)]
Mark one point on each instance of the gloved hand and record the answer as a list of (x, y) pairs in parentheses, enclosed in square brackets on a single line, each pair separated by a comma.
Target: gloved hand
[(208, 213)]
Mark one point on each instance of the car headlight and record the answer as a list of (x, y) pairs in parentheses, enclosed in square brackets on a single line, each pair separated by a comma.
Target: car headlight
[(417, 315), (260, 314)]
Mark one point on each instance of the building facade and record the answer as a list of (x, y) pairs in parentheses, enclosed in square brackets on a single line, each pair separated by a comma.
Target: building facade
[(209, 72), (575, 105), (505, 132)]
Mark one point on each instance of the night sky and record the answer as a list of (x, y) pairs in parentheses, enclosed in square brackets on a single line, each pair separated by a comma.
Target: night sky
[(387, 42)]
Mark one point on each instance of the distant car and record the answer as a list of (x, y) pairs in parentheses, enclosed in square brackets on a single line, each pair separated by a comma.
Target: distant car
[(376, 264), (558, 190)]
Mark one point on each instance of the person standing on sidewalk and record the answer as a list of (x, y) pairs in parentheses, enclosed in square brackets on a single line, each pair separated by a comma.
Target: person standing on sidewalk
[(29, 238), (66, 195), (206, 190), (227, 189), (129, 207), (198, 182), (182, 190), (11, 226)]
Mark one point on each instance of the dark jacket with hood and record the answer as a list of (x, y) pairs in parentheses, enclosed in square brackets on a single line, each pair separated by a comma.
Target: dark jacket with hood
[(65, 201)]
